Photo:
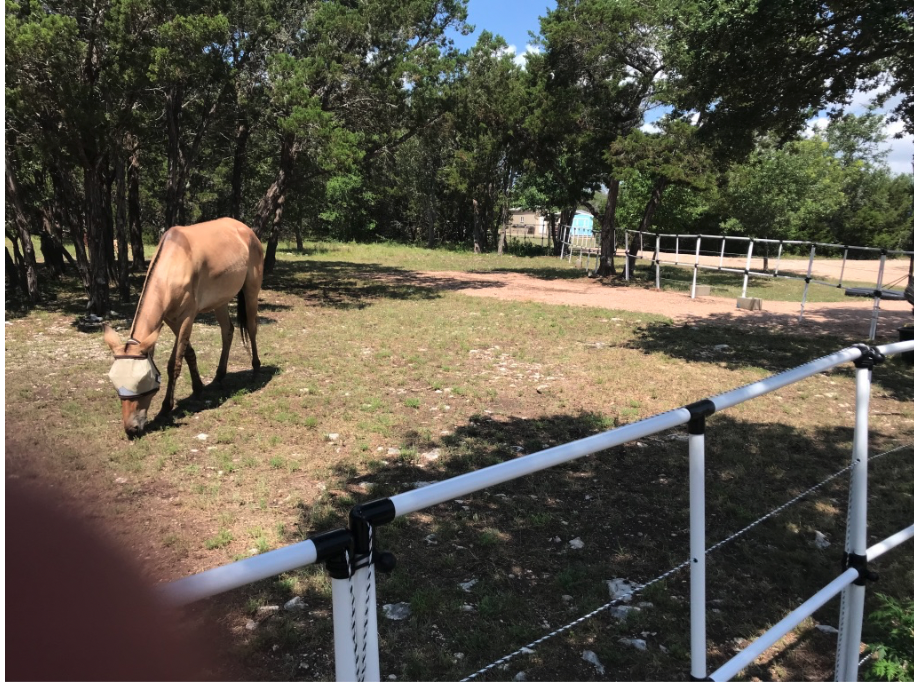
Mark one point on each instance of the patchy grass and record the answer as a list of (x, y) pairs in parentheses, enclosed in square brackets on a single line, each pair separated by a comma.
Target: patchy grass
[(416, 383)]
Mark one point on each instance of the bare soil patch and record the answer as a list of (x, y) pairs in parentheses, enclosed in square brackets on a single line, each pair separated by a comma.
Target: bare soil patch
[(849, 320)]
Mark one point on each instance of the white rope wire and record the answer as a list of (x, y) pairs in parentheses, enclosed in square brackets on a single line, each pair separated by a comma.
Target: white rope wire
[(355, 643), (675, 569)]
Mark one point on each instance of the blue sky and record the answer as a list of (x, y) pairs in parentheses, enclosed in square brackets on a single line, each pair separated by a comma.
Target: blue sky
[(511, 19), (514, 19)]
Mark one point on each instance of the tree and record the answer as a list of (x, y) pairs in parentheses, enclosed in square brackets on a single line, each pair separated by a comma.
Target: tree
[(600, 70), (787, 192)]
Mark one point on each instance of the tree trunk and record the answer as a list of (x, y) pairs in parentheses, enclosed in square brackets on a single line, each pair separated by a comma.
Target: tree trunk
[(30, 268), (265, 214), (69, 213), (553, 235), (479, 237), (269, 260), (12, 272), (120, 229), (647, 218), (51, 246), (174, 180), (299, 244), (430, 219), (110, 254), (502, 227), (607, 267), (242, 134), (565, 219), (135, 227), (96, 228), (653, 203)]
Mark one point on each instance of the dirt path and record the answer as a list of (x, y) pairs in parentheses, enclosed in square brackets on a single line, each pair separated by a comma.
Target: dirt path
[(850, 319)]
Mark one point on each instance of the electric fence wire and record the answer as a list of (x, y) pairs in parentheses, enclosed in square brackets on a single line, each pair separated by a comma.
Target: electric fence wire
[(527, 648)]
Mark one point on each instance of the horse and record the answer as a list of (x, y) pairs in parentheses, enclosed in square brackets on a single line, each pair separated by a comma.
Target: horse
[(196, 269)]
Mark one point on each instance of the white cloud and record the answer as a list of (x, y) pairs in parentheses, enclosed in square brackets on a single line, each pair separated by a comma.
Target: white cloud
[(521, 59), (814, 126), (901, 150), (502, 51), (649, 128)]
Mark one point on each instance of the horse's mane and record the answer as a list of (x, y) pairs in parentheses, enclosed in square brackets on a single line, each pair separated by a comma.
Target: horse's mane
[(152, 266)]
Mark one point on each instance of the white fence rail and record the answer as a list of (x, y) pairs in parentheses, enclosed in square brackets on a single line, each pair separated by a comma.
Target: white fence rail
[(351, 558), (686, 250)]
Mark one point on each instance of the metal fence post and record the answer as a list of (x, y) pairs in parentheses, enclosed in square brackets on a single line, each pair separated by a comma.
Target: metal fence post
[(877, 295), (812, 255), (850, 623), (748, 267), (698, 628), (627, 274), (695, 270)]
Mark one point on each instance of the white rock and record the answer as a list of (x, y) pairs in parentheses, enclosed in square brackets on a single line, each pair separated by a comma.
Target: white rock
[(591, 657), (250, 625), (202, 436), (828, 629), (577, 543), (620, 588), (639, 644), (458, 656), (467, 608), (393, 452), (399, 611), (722, 346), (267, 610), (821, 542), (120, 479), (431, 455), (468, 585), (431, 539), (333, 436), (521, 676), (623, 612), (567, 598), (295, 604), (527, 651)]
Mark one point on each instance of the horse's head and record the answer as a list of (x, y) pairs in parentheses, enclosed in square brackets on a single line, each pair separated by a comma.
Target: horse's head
[(135, 377)]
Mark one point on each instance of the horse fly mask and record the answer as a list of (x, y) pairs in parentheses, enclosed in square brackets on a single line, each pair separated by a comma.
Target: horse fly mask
[(134, 376)]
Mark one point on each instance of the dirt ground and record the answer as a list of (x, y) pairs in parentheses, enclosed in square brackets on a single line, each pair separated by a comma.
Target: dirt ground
[(850, 319)]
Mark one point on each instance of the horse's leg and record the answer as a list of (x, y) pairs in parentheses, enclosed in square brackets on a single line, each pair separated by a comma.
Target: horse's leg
[(191, 358), (251, 291), (228, 330), (182, 341)]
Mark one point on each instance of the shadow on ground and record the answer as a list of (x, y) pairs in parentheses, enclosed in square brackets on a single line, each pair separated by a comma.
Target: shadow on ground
[(344, 285), (213, 395), (629, 507), (740, 346)]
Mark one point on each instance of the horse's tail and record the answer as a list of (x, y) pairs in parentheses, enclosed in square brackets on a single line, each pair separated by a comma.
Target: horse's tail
[(243, 318)]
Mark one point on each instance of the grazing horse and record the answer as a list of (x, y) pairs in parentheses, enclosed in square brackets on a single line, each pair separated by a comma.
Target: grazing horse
[(196, 269)]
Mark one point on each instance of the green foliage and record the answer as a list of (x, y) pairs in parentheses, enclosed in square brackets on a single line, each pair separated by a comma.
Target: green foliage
[(894, 642)]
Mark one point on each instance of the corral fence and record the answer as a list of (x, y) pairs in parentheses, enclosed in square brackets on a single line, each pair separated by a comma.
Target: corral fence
[(352, 557), (710, 252)]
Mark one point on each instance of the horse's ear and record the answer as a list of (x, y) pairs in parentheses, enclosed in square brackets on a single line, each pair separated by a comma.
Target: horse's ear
[(111, 338), (149, 341)]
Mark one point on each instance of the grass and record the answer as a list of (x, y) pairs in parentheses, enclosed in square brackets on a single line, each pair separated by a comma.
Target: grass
[(420, 384)]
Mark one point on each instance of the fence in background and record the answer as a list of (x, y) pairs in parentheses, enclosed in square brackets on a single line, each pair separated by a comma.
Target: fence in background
[(351, 557), (685, 250)]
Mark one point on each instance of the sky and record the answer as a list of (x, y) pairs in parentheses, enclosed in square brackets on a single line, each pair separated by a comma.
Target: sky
[(514, 19)]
